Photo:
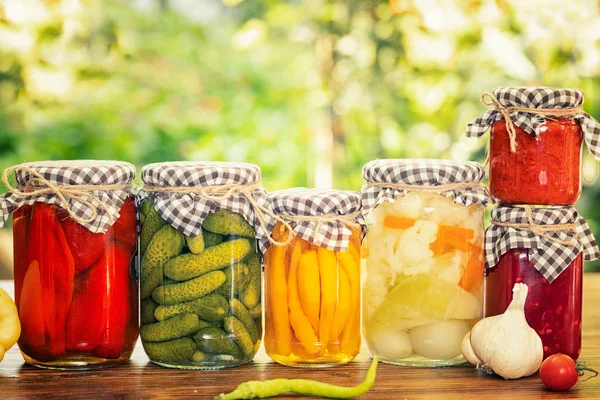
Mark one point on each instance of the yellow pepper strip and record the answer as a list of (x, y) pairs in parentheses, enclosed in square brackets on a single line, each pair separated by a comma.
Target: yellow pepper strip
[(354, 251), (10, 327), (309, 287), (300, 323), (329, 280), (277, 289), (342, 309), (351, 267), (299, 351)]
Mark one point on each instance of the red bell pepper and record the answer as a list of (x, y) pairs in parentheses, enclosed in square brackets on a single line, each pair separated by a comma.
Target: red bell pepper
[(48, 247), (125, 227), (101, 312), (86, 247), (30, 311), (120, 326), (21, 217)]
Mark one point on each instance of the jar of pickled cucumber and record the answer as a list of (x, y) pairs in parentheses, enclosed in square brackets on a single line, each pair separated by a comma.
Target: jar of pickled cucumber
[(202, 236), (312, 278), (75, 246), (544, 248), (423, 257)]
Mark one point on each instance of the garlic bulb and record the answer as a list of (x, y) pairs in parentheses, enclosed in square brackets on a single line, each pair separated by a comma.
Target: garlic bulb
[(505, 343)]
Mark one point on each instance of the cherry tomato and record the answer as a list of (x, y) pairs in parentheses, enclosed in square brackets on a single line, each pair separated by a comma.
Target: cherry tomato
[(558, 372)]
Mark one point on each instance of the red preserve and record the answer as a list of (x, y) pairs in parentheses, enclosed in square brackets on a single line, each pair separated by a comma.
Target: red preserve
[(552, 309), (542, 170), (75, 289)]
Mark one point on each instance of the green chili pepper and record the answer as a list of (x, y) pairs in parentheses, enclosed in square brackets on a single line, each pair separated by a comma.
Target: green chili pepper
[(276, 387)]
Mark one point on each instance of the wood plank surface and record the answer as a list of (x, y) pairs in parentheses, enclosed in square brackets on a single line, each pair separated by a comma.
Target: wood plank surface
[(139, 379)]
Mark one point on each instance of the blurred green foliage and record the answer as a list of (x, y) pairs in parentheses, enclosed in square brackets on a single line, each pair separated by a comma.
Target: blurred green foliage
[(309, 90)]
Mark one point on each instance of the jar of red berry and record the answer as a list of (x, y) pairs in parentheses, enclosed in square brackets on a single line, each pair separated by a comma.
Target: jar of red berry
[(75, 246), (536, 137), (545, 249)]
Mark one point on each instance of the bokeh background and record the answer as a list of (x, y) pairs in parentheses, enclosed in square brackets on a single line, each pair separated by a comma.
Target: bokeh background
[(310, 90)]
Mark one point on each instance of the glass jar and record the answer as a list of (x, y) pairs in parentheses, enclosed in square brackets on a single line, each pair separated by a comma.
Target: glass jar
[(299, 330), (423, 256), (74, 289), (542, 170), (201, 293), (552, 309)]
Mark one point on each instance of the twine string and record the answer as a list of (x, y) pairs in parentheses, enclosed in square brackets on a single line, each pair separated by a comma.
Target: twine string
[(347, 219), (427, 188), (541, 230), (491, 101), (37, 186)]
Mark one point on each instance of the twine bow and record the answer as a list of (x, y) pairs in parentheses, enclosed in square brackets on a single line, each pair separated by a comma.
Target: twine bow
[(491, 101), (38, 186), (224, 192), (541, 230)]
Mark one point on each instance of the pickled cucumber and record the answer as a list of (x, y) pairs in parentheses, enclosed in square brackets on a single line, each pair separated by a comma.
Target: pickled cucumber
[(256, 311), (166, 244), (237, 278), (195, 244), (189, 290), (187, 266), (213, 307), (217, 341), (250, 296), (211, 239), (147, 311), (241, 336), (152, 223), (239, 311), (150, 282), (177, 350), (225, 222), (173, 328)]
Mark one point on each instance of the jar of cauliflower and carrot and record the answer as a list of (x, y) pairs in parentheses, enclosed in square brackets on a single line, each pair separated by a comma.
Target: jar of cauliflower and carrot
[(423, 258)]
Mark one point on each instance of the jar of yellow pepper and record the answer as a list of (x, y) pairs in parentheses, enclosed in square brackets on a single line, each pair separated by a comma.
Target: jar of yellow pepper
[(312, 278)]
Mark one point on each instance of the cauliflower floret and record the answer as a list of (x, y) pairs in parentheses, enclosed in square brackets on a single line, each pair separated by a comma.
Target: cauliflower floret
[(449, 266), (413, 246), (475, 222), (442, 210), (408, 206), (376, 287)]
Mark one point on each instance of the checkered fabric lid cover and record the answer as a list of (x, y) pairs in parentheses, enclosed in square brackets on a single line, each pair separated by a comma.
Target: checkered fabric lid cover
[(76, 172), (186, 211), (302, 202), (537, 97), (421, 172), (548, 257)]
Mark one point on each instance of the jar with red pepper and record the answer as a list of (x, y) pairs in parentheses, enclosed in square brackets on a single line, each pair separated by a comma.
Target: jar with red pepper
[(543, 248), (535, 144), (75, 245), (204, 228)]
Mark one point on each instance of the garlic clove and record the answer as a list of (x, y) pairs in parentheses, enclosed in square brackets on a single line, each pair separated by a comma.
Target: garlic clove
[(468, 352)]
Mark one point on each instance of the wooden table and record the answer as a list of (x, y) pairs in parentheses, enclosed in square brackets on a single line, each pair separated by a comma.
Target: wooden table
[(139, 379)]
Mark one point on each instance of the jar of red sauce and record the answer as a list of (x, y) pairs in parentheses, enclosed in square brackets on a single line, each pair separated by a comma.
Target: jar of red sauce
[(530, 246), (552, 309), (535, 145), (543, 170), (75, 262)]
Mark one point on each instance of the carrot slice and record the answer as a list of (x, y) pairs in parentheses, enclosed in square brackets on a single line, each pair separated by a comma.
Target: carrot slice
[(473, 274), (394, 222), (457, 243), (465, 234)]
